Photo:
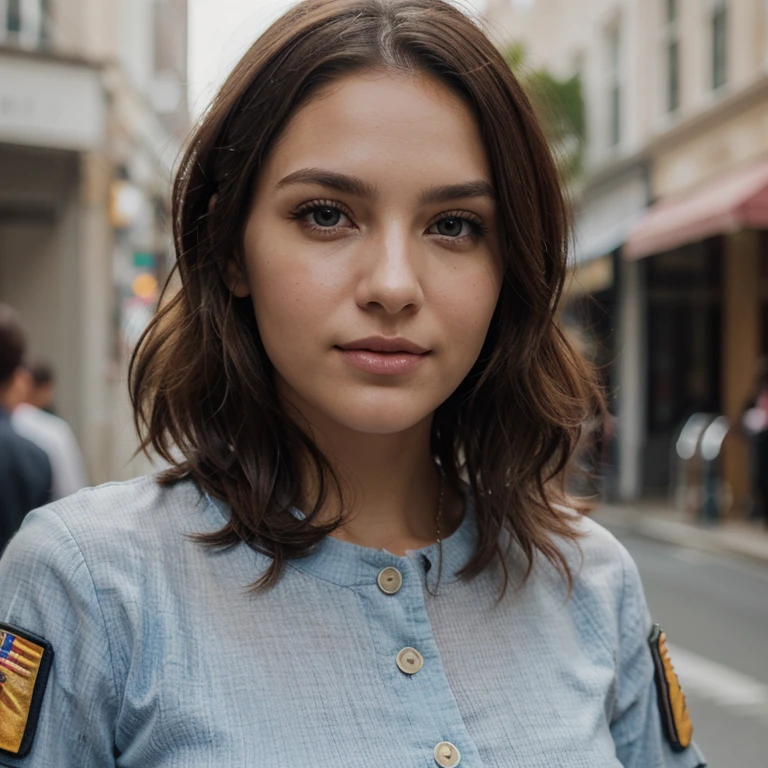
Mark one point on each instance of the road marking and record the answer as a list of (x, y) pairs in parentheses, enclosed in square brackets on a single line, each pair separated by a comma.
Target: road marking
[(724, 686)]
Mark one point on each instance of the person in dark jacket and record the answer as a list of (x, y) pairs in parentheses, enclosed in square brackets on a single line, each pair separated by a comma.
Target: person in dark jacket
[(25, 472)]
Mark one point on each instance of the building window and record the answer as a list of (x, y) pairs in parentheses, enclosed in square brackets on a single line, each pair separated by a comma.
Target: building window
[(671, 10), (614, 86), (672, 55), (24, 22), (45, 21), (719, 43), (13, 16)]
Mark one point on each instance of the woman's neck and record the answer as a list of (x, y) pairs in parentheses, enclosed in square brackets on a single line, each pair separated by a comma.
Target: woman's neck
[(391, 488)]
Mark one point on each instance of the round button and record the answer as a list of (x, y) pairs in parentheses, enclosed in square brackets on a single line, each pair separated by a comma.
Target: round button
[(390, 580), (410, 661), (447, 755)]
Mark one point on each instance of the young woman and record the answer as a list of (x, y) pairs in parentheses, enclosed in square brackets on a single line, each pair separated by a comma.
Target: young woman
[(362, 555)]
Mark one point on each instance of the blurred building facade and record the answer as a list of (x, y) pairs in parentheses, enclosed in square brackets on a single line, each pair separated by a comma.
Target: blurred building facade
[(92, 113), (672, 209)]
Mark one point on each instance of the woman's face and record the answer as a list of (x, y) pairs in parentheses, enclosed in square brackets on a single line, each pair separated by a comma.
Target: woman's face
[(371, 252)]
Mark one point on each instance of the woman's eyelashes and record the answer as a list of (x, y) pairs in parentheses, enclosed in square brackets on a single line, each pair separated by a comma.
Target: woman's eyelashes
[(327, 218), (458, 225), (323, 217)]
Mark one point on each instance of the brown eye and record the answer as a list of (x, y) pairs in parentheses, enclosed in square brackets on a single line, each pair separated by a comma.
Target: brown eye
[(326, 216)]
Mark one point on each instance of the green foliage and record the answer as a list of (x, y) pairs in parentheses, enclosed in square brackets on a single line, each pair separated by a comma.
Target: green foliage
[(560, 107), (515, 56)]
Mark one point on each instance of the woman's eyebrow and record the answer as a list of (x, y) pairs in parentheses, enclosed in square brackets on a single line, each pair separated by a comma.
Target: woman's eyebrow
[(338, 181), (447, 192), (359, 188)]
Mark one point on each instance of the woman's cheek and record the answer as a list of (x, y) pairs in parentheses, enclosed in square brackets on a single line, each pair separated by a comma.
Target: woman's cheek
[(471, 314)]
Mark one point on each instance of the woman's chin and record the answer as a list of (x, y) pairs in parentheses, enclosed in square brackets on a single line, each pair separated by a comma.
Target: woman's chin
[(386, 414), (379, 421), (364, 409)]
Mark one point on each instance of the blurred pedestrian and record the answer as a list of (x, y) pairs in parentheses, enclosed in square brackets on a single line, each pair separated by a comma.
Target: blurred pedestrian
[(42, 392), (755, 423), (34, 419), (374, 406), (25, 472)]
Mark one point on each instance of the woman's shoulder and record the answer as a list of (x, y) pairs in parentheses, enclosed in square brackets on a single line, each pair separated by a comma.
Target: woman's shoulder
[(605, 577), (607, 589), (119, 516), (113, 545), (600, 547), (141, 501), (593, 547)]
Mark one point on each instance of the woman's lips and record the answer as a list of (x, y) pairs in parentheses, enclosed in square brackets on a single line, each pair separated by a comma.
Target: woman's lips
[(386, 363)]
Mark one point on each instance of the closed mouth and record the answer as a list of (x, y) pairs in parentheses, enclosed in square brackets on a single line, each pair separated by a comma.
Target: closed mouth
[(384, 345)]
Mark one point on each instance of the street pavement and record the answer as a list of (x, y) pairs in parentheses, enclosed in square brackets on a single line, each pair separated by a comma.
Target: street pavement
[(713, 605)]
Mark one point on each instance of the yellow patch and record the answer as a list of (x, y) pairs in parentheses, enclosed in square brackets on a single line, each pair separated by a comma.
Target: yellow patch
[(24, 664), (672, 704)]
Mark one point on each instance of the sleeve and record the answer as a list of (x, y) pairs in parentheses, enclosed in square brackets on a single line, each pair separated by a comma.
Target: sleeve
[(46, 591), (636, 724)]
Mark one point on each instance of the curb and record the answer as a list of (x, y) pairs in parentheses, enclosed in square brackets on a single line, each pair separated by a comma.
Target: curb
[(753, 545)]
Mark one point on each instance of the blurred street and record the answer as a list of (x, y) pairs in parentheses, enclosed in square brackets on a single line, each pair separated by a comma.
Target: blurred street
[(714, 609)]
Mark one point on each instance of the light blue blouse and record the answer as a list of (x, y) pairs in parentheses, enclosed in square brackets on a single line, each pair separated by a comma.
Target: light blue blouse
[(163, 657)]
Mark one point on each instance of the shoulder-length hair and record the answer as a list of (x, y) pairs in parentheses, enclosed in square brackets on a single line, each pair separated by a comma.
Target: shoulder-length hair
[(201, 383)]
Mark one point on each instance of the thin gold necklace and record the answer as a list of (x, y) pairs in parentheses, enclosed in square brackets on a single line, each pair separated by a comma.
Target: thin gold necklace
[(340, 533), (440, 507)]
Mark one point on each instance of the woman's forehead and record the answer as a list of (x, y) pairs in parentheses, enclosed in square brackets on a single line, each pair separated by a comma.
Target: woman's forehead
[(376, 124)]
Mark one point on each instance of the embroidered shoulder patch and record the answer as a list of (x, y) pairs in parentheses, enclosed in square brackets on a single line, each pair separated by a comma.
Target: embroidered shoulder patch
[(25, 661), (674, 709)]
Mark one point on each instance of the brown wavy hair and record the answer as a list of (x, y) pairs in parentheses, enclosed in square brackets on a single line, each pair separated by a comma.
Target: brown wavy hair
[(201, 383)]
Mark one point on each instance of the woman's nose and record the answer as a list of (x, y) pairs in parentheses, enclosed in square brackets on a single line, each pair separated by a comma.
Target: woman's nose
[(391, 279)]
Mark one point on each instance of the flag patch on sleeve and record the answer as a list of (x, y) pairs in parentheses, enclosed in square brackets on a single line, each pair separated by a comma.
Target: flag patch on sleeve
[(675, 717), (25, 661)]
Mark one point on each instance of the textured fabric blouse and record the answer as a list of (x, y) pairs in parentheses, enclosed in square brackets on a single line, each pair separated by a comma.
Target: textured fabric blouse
[(164, 657)]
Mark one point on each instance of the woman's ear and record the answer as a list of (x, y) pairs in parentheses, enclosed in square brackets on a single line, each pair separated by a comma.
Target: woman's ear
[(236, 279), (232, 273)]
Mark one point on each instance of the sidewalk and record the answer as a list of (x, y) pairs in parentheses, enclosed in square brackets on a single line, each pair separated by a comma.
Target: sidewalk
[(656, 521)]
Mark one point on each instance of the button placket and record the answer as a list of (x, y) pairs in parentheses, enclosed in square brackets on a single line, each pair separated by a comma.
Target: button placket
[(410, 661)]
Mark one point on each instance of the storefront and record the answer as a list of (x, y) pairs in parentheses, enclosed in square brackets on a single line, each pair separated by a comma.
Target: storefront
[(54, 234), (606, 299), (706, 263)]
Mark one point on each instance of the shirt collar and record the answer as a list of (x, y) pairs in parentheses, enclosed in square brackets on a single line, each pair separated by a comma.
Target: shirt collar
[(351, 565)]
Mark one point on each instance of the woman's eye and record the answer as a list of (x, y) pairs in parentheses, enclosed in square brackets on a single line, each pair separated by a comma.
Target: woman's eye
[(322, 217), (454, 227), (326, 216)]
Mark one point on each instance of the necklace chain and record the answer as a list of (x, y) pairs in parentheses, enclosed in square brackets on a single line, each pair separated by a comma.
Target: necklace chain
[(439, 518)]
